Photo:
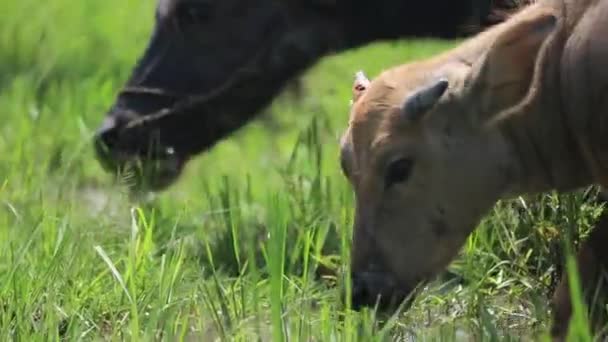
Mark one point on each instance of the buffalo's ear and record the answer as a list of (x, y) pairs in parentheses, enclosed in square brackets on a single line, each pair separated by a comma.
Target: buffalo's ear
[(422, 100), (360, 85), (506, 73)]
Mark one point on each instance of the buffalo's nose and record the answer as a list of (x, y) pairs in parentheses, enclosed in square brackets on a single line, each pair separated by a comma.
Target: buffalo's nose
[(375, 289), (105, 141)]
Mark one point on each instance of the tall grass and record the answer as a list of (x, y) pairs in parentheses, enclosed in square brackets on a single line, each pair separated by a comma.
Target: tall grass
[(254, 241)]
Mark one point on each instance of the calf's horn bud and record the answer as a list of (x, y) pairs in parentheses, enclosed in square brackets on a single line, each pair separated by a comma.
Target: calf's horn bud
[(424, 99)]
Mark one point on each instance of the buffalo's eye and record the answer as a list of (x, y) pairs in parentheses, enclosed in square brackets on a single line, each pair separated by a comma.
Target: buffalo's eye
[(398, 171), (192, 12)]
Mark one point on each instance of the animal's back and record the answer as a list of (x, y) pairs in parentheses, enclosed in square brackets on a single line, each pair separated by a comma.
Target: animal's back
[(584, 79)]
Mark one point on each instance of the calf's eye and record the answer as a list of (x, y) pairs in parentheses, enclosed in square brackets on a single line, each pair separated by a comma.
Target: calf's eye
[(398, 172), (344, 167)]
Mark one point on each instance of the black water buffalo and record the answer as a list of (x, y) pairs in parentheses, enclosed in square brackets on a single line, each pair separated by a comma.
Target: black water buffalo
[(211, 65)]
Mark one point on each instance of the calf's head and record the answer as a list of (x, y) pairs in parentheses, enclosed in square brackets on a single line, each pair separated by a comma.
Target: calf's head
[(424, 163)]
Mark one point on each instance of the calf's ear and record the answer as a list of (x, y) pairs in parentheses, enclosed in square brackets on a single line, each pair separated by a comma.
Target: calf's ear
[(507, 73), (360, 85)]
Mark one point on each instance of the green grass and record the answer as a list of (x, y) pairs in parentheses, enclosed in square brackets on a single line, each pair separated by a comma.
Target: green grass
[(240, 248)]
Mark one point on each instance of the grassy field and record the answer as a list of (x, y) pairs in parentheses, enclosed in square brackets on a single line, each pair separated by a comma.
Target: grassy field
[(246, 244)]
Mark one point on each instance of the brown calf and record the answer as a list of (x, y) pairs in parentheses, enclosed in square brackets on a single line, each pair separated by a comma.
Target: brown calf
[(432, 145)]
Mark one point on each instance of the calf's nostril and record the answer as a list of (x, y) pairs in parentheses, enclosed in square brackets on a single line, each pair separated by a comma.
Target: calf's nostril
[(376, 290), (359, 293)]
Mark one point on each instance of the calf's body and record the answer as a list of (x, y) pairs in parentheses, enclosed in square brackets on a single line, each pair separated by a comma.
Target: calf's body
[(432, 145)]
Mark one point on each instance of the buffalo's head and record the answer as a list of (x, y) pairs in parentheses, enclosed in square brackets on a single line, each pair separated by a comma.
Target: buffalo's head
[(200, 53)]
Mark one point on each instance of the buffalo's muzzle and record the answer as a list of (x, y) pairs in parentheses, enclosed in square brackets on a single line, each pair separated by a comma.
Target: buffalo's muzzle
[(150, 165)]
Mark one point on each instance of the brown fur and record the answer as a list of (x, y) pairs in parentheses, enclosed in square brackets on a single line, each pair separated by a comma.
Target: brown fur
[(526, 111)]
